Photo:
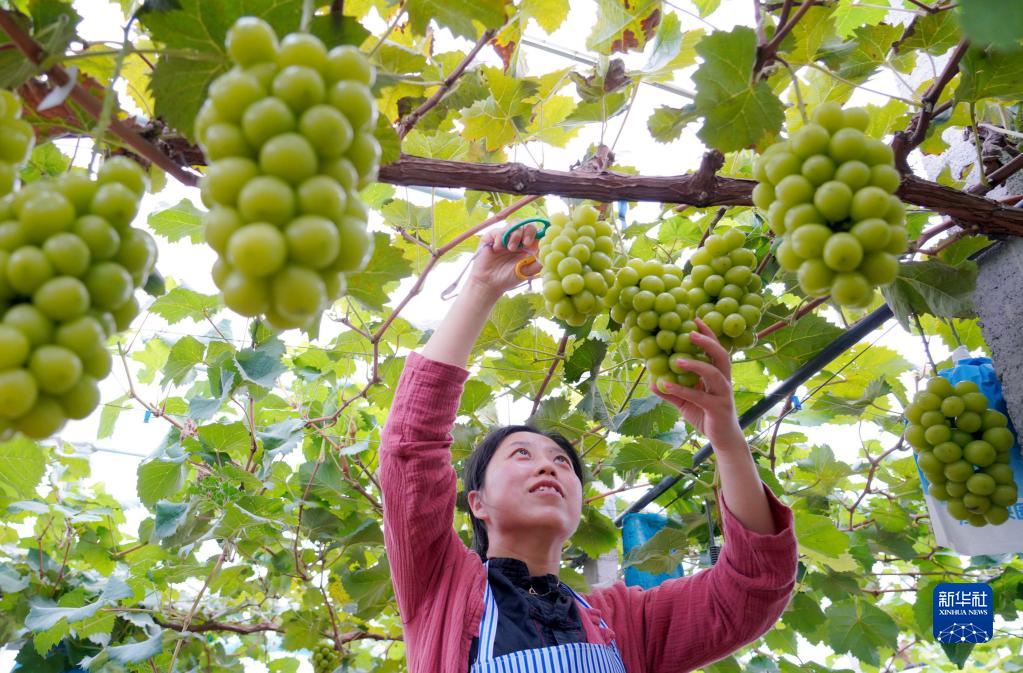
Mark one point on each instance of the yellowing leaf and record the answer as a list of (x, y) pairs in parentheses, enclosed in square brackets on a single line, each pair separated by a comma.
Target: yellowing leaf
[(549, 14), (547, 118), (499, 119), (457, 15), (624, 25)]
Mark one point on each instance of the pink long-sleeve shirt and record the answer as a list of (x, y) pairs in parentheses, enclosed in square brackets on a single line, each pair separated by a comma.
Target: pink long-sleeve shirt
[(680, 625)]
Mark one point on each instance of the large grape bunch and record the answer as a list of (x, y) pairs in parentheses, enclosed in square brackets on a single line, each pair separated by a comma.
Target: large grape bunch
[(288, 134), (829, 193), (70, 263), (16, 140), (325, 659), (722, 288), (962, 447), (576, 256), (648, 300)]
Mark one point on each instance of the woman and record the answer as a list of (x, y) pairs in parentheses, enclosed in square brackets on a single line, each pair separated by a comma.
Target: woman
[(500, 607)]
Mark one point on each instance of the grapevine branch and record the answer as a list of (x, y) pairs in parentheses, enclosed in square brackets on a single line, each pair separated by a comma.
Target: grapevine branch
[(696, 189), (228, 627), (550, 373), (406, 124), (906, 141), (36, 54)]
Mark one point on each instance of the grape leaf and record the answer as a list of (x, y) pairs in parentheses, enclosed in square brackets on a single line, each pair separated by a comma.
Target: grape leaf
[(457, 15), (934, 33), (585, 357), (992, 22), (181, 303), (666, 123), (499, 118), (646, 416), (858, 627), (385, 268), (624, 25), (932, 287), (791, 346), (736, 113), (159, 479), (549, 14), (169, 515), (182, 360), (180, 221), (990, 74), (596, 533), (851, 14), (22, 465)]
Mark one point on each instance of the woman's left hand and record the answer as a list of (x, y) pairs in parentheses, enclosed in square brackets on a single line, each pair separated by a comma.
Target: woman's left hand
[(710, 405)]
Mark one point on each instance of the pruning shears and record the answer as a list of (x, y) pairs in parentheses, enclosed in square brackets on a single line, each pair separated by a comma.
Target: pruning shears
[(531, 258)]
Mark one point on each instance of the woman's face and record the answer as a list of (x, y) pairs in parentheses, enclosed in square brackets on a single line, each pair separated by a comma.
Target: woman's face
[(529, 486)]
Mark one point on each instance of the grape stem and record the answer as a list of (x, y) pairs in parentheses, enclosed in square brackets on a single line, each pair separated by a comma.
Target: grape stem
[(927, 345), (713, 223), (550, 372)]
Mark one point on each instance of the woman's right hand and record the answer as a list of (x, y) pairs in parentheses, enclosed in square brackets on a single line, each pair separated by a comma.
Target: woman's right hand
[(494, 268)]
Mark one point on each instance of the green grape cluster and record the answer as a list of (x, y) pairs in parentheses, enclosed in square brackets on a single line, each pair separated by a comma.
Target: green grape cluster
[(70, 263), (829, 193), (16, 140), (325, 658), (962, 447), (288, 133), (651, 304), (576, 257), (722, 289)]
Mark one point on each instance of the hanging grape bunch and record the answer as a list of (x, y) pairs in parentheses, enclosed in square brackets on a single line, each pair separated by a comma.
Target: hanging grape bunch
[(722, 288), (829, 193), (71, 262), (963, 448), (288, 133), (648, 300), (325, 659), (576, 256), (16, 140)]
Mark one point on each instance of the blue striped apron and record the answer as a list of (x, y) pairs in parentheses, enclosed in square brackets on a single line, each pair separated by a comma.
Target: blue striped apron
[(567, 658)]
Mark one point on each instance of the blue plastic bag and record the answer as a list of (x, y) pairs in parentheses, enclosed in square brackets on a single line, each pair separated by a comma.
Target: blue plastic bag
[(637, 528)]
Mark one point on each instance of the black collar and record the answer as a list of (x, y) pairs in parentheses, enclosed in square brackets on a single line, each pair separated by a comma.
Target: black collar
[(518, 573)]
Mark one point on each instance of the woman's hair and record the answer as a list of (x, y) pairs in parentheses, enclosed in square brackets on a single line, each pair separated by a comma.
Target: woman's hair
[(476, 466)]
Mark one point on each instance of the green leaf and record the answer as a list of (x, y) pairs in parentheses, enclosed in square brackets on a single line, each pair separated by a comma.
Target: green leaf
[(46, 161), (992, 22), (585, 357), (990, 74), (859, 58), (666, 122), (178, 222), (820, 534), (22, 465), (596, 533), (958, 653), (371, 588), (787, 349), (932, 287), (136, 652), (858, 627), (169, 515), (182, 360), (43, 614), (475, 395), (108, 416), (385, 268), (809, 35), (934, 33), (654, 456), (181, 303), (646, 416), (624, 25), (499, 119), (458, 15), (850, 15), (510, 315), (159, 479), (736, 113), (263, 364), (282, 437), (549, 14)]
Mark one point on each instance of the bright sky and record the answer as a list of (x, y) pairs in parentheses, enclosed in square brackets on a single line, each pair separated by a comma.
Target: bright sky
[(114, 465)]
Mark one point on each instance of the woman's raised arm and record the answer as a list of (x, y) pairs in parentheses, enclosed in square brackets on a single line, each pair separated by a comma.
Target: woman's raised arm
[(416, 477)]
